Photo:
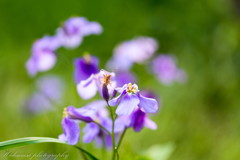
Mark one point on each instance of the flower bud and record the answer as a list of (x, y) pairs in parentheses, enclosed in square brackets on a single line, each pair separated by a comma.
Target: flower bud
[(105, 93)]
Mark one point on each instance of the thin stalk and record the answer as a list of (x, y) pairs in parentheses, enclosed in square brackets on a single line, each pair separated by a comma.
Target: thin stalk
[(114, 148), (103, 148), (121, 138)]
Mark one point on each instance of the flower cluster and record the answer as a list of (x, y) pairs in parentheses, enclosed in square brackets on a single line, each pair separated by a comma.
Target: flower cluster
[(69, 35), (103, 120)]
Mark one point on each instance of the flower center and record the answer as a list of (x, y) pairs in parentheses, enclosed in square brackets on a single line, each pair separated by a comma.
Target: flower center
[(132, 88), (106, 79)]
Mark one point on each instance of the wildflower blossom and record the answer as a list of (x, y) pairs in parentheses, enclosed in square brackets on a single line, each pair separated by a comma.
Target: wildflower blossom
[(85, 67), (89, 87), (164, 66), (129, 98), (74, 29), (137, 50), (72, 116), (43, 55)]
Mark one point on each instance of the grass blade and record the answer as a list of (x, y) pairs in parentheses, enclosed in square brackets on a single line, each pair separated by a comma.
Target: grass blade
[(34, 140)]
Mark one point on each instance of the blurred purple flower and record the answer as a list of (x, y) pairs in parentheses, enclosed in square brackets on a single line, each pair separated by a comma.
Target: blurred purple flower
[(38, 103), (137, 50), (89, 87), (85, 67), (43, 55), (164, 66), (139, 120), (52, 86), (50, 92), (74, 29), (130, 98), (124, 77)]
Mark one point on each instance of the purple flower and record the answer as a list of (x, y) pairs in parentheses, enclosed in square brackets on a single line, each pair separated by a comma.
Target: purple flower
[(43, 55), (72, 116), (139, 120), (85, 67), (89, 87), (74, 29), (164, 66), (52, 87), (124, 77), (137, 50), (130, 98), (71, 131), (38, 103)]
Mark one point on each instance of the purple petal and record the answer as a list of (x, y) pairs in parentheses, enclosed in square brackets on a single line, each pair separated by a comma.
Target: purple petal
[(108, 141), (127, 104), (91, 131), (84, 69), (68, 41), (148, 105), (138, 119), (71, 131), (87, 88), (125, 78), (31, 67), (116, 100), (119, 125), (150, 124), (92, 28), (46, 61), (87, 113), (78, 114)]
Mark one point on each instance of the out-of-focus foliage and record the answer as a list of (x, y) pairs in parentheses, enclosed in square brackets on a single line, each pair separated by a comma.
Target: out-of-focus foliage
[(200, 117)]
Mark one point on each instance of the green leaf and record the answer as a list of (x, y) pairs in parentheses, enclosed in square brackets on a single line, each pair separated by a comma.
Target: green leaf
[(25, 141), (34, 140)]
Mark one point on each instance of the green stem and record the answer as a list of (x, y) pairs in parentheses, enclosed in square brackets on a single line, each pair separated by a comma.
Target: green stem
[(121, 138), (120, 142), (114, 148)]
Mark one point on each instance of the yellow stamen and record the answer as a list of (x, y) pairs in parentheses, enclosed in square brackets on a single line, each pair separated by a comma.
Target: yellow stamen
[(65, 112), (87, 57), (106, 79), (132, 88)]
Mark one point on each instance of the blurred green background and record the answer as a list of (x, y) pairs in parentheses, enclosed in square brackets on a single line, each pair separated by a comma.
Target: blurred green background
[(200, 119)]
